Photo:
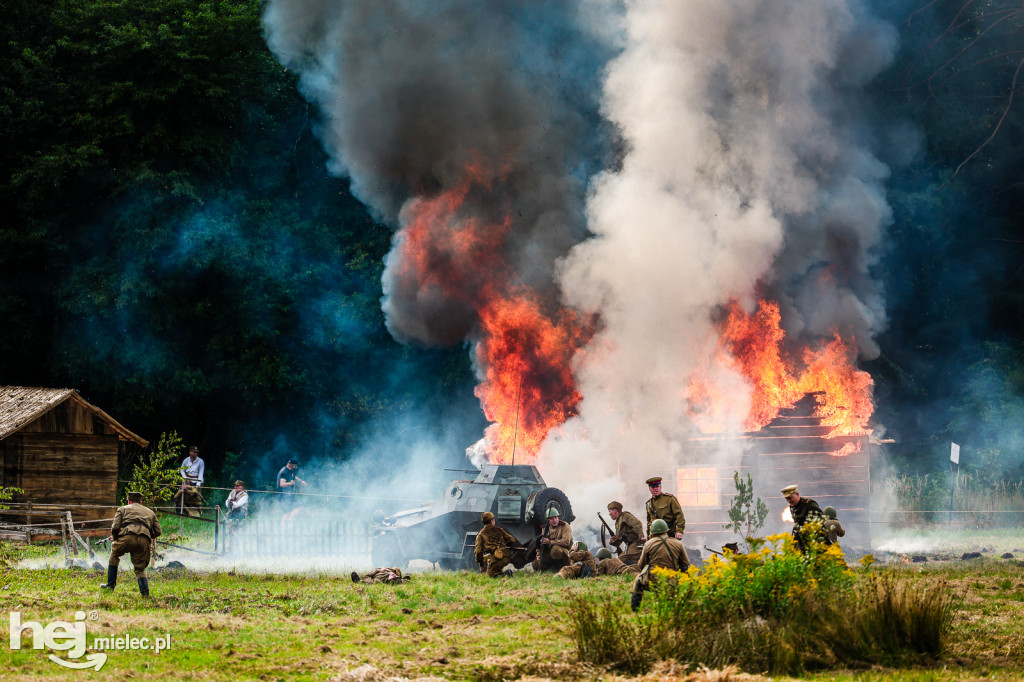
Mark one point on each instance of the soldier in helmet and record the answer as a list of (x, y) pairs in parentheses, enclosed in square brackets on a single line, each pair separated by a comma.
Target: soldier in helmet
[(609, 565), (628, 530), (832, 529), (583, 563), (803, 509), (391, 575), (134, 530), (555, 542), (493, 547), (661, 551), (666, 507)]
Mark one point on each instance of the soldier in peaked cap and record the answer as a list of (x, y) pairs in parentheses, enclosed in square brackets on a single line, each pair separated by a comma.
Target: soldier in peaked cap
[(664, 506), (628, 530), (803, 509), (493, 547), (134, 530)]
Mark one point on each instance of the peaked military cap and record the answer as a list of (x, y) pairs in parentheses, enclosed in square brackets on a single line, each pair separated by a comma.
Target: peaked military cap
[(788, 490), (654, 480)]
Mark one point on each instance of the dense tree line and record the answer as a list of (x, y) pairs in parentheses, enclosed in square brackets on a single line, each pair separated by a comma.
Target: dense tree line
[(173, 247)]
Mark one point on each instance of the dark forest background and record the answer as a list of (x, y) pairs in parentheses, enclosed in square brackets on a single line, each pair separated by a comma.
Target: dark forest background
[(172, 246)]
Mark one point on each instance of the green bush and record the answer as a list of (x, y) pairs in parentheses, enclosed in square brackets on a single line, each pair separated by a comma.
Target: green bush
[(775, 609)]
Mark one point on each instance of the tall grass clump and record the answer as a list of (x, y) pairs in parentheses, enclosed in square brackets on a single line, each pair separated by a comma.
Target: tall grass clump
[(773, 610)]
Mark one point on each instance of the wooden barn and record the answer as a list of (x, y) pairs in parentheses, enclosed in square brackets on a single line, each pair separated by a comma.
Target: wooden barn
[(60, 450), (791, 449)]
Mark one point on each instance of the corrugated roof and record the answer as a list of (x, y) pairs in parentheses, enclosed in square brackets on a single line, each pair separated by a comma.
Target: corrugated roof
[(21, 405)]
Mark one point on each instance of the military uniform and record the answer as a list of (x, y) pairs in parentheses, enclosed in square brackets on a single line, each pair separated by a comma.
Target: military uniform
[(382, 576), (661, 552), (492, 550), (580, 558), (805, 510), (556, 554), (614, 566), (134, 529), (630, 531), (666, 507), (833, 531), (193, 500)]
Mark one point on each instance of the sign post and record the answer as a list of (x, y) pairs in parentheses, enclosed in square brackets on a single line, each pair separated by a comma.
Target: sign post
[(954, 458)]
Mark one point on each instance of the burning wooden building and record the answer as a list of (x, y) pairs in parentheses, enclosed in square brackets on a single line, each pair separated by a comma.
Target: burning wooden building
[(59, 449), (795, 447)]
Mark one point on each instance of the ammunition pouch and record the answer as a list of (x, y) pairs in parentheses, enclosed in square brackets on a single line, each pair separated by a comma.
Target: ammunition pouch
[(499, 553)]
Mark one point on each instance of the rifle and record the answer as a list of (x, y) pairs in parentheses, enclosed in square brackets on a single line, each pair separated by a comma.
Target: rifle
[(606, 527), (713, 551)]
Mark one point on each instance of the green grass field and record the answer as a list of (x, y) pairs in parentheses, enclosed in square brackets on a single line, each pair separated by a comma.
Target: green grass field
[(229, 625)]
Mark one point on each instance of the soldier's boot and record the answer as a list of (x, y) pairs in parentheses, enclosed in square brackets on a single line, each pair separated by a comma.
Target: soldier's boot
[(634, 601), (144, 587), (355, 577), (111, 578), (586, 571)]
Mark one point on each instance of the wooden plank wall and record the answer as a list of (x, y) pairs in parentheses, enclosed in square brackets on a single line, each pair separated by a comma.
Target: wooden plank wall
[(65, 457), (791, 450)]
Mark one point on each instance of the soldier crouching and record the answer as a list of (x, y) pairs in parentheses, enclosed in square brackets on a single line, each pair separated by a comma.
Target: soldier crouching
[(555, 543), (494, 545), (134, 530), (583, 563)]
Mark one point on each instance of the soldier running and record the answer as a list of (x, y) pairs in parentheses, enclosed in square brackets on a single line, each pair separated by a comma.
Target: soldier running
[(664, 506), (133, 532), (628, 530), (493, 547), (660, 551), (609, 565), (583, 563)]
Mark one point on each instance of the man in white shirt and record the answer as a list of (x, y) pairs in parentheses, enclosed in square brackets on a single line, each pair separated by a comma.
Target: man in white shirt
[(193, 467), (237, 503)]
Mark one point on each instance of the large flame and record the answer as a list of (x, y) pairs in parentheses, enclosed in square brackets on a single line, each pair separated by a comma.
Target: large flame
[(751, 344), (524, 342)]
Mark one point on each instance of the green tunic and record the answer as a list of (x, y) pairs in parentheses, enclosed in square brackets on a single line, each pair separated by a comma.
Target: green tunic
[(666, 507)]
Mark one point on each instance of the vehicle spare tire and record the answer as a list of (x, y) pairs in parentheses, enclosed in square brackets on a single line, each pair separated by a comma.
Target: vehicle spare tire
[(542, 500)]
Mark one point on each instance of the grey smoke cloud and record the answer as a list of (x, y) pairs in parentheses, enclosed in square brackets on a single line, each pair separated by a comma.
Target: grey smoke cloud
[(747, 168), (412, 93), (750, 171)]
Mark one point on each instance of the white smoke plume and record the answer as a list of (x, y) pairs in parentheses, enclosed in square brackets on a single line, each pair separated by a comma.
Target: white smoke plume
[(749, 171)]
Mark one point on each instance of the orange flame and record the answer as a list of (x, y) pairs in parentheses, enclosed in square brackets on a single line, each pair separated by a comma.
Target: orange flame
[(752, 345), (525, 344)]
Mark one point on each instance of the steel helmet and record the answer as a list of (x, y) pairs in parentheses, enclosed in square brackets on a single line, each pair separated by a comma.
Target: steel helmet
[(553, 512), (659, 526), (604, 553), (830, 512), (581, 546)]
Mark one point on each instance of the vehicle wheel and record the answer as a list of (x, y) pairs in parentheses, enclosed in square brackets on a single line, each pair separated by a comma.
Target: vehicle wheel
[(547, 498), (386, 552)]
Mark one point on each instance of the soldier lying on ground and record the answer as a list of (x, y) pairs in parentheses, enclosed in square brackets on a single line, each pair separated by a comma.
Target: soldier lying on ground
[(609, 565), (583, 563), (387, 576)]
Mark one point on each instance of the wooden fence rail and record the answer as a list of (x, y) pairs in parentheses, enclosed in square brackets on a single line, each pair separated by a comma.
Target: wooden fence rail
[(257, 537)]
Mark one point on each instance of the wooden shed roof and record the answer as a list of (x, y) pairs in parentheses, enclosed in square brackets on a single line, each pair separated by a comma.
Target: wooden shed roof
[(21, 405)]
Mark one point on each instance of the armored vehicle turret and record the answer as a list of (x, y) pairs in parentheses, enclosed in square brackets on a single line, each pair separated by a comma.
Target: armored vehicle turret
[(445, 532)]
